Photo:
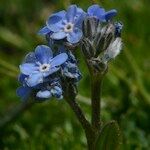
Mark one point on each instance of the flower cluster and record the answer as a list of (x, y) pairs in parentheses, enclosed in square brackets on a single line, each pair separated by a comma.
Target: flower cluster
[(45, 71)]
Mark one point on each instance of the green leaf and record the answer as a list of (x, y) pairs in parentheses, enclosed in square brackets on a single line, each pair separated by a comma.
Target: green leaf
[(110, 137)]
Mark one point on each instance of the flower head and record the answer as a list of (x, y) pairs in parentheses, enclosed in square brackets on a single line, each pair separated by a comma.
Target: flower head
[(100, 13), (41, 65), (68, 25)]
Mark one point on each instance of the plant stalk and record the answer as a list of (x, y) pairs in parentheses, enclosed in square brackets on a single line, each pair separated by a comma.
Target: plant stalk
[(96, 83)]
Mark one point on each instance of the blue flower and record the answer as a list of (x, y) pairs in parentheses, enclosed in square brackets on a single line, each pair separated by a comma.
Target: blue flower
[(49, 89), (70, 68), (40, 64), (100, 13), (67, 26), (42, 91)]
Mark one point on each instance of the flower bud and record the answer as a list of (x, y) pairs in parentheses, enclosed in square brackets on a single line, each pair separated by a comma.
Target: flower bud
[(90, 27), (113, 50), (103, 40)]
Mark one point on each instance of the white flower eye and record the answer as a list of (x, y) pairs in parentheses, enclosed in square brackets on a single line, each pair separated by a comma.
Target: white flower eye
[(68, 27), (44, 67)]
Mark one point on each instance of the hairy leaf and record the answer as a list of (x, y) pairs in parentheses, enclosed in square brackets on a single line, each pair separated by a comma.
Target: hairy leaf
[(110, 137)]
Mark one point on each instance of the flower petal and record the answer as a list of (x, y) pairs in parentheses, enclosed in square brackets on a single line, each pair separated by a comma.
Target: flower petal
[(21, 78), (57, 92), (71, 13), (34, 79), (44, 94), (28, 68), (30, 58), (58, 35), (58, 60), (45, 30), (79, 11), (95, 10), (43, 53), (61, 13), (79, 20), (23, 92), (51, 71), (110, 14), (75, 36), (54, 23)]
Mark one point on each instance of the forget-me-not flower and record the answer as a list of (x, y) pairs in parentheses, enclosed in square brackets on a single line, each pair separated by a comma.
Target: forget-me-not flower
[(41, 65), (100, 13), (67, 26)]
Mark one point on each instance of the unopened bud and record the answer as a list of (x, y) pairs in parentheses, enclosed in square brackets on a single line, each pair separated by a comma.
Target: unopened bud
[(106, 37), (90, 25), (113, 50)]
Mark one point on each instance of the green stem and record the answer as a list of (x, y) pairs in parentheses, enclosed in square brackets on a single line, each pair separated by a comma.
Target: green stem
[(96, 82), (77, 110), (70, 97), (90, 135)]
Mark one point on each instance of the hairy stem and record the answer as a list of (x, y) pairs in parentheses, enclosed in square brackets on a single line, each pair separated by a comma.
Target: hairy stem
[(96, 83), (77, 110), (70, 95), (90, 135)]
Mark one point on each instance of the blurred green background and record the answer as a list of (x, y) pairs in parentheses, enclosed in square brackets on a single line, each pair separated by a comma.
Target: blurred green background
[(52, 125)]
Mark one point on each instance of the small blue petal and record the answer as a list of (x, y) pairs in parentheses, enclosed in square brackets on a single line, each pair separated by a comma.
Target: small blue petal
[(59, 59), (54, 23), (28, 68), (43, 53), (61, 13), (58, 35), (23, 92), (110, 14), (51, 71), (34, 79), (45, 30), (75, 36), (30, 58), (57, 92), (95, 10), (44, 94), (80, 11), (71, 12), (79, 20), (22, 77)]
